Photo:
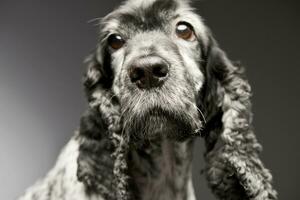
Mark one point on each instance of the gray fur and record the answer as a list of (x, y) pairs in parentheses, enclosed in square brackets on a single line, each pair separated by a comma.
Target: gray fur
[(137, 144)]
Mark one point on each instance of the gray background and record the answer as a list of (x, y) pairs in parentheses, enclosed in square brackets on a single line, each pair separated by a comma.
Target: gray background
[(42, 45)]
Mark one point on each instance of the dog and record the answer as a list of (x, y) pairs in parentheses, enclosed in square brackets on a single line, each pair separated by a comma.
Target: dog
[(157, 80)]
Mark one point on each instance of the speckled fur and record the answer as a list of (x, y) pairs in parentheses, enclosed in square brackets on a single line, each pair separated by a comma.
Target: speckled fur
[(120, 152)]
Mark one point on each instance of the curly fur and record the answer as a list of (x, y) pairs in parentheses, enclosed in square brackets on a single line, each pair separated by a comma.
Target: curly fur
[(233, 169), (116, 154)]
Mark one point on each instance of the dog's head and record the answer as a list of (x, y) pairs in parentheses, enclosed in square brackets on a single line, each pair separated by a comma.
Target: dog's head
[(153, 56), (158, 69)]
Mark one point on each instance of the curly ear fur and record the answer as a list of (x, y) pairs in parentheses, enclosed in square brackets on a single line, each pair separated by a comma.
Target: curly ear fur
[(94, 161), (233, 168), (102, 158)]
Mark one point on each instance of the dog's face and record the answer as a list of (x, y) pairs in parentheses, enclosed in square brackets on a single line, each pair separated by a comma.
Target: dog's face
[(154, 52), (156, 64)]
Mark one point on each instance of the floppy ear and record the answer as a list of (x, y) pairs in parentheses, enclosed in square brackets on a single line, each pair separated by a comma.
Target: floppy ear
[(98, 76), (102, 152), (233, 168)]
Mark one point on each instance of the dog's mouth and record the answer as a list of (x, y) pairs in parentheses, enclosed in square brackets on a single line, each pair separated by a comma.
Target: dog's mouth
[(158, 121), (169, 111)]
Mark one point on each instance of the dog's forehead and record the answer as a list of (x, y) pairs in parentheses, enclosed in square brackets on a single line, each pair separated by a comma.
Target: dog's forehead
[(155, 5), (135, 16), (142, 15)]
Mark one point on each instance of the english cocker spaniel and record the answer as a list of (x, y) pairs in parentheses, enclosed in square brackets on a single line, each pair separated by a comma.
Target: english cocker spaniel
[(156, 80)]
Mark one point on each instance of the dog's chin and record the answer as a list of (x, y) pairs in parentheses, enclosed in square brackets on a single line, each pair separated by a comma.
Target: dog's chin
[(157, 123)]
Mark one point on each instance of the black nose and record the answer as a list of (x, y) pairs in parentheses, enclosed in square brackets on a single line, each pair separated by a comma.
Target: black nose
[(148, 72)]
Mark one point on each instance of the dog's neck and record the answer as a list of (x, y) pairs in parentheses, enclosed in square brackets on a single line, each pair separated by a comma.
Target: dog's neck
[(162, 168)]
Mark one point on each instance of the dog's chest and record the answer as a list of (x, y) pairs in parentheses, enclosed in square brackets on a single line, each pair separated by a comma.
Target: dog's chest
[(162, 170)]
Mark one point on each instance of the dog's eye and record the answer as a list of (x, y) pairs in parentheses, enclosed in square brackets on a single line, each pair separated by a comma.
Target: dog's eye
[(185, 31), (115, 41)]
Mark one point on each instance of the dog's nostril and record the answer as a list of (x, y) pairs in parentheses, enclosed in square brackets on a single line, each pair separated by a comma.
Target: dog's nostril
[(136, 74), (160, 70)]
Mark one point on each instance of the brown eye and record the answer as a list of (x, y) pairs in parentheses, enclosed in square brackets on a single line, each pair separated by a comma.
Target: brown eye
[(184, 30), (115, 41)]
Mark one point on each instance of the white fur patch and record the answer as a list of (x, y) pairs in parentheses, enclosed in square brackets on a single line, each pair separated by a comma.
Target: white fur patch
[(62, 185), (139, 3)]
